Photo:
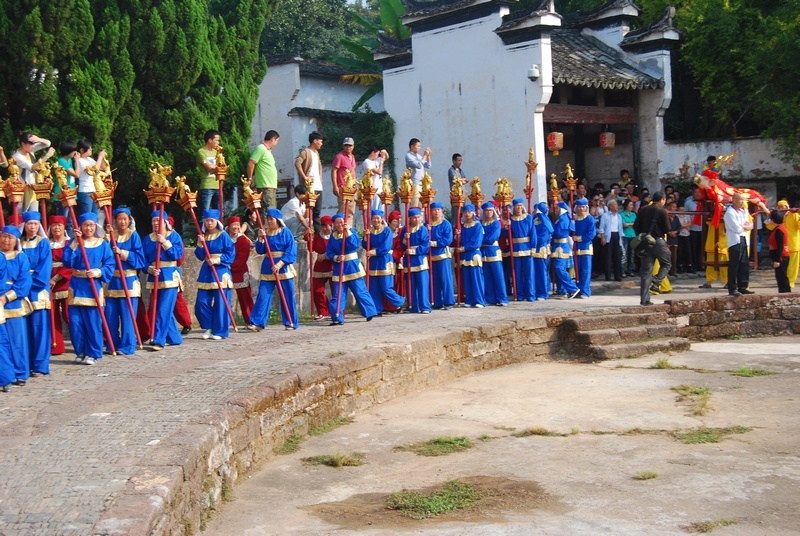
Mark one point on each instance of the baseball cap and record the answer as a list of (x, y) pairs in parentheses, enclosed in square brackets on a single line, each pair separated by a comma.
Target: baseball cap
[(348, 141)]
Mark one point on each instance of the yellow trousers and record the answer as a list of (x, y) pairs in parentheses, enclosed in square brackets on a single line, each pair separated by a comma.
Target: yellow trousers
[(794, 267)]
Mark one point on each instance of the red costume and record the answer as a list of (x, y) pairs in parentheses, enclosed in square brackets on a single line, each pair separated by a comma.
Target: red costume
[(241, 272), (721, 193), (59, 291), (322, 273)]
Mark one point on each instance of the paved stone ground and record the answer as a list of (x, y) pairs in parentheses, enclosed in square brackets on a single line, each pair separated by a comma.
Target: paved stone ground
[(69, 442)]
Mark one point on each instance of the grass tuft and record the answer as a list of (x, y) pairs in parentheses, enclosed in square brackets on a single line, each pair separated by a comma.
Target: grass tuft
[(701, 404), (645, 475), (663, 363), (291, 445), (708, 526), (485, 437), (749, 373), (332, 424), (537, 431), (690, 390), (454, 495), (337, 460), (708, 435), (439, 446)]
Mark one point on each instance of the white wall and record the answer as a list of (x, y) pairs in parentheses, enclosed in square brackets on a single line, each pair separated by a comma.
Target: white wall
[(467, 93)]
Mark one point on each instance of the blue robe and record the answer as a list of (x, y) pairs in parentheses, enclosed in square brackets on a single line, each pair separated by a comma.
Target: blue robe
[(381, 268), (541, 255), (165, 329), (18, 288), (562, 253), (523, 242), (284, 249), (120, 323), (39, 322), (585, 231), (442, 269), (209, 308), (85, 322), (417, 252), (352, 278), (472, 264), (7, 374), (493, 276)]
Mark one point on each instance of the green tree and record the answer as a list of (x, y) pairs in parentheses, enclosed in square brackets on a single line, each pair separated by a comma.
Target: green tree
[(141, 78)]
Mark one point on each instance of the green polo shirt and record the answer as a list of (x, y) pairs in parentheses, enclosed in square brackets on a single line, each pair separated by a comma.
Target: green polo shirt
[(265, 174), (209, 156)]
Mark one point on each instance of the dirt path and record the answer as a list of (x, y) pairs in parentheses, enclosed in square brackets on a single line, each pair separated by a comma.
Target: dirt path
[(584, 480)]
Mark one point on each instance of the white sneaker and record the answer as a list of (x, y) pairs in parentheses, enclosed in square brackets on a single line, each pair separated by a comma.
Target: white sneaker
[(88, 361), (207, 334), (216, 337), (479, 306), (79, 359)]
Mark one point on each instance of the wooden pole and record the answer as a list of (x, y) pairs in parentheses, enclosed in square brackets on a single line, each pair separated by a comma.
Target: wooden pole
[(123, 278)]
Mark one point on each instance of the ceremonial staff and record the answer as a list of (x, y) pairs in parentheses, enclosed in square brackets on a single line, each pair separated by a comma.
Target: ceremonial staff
[(349, 190), (365, 195), (311, 202), (188, 201), (457, 199), (554, 194), (572, 184), (68, 200), (530, 165), (406, 194), (253, 202), (386, 195), (158, 193), (103, 195), (426, 197), (14, 188), (43, 188), (504, 196), (222, 172), (475, 194)]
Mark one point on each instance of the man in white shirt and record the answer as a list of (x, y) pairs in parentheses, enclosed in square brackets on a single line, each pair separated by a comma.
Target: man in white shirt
[(28, 166), (611, 233), (417, 163), (293, 213), (309, 166), (738, 225)]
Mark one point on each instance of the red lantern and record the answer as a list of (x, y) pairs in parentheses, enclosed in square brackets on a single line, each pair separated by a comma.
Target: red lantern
[(607, 141), (555, 142)]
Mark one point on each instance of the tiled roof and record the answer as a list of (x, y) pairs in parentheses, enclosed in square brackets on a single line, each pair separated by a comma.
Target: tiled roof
[(663, 24), (516, 18), (300, 111), (390, 45), (580, 60), (579, 17), (416, 9), (311, 67)]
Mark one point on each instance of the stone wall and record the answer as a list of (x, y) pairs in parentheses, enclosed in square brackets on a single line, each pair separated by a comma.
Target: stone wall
[(184, 479)]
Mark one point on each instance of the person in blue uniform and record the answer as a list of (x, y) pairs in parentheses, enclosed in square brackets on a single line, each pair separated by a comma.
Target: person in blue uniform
[(15, 302), (380, 263), (165, 330), (210, 310), (7, 376), (471, 239), (493, 277), (36, 247), (585, 231), (278, 270), (347, 266), (441, 232), (505, 248), (416, 243), (541, 255), (85, 320), (562, 252), (131, 254), (523, 242)]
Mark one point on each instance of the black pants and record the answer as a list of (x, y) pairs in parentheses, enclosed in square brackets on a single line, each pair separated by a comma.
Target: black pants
[(781, 277), (738, 267), (613, 253), (659, 251), (696, 249)]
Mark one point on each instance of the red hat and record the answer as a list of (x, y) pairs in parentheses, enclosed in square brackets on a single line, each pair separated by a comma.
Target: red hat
[(394, 215), (233, 219), (326, 220), (14, 219), (57, 219), (171, 221)]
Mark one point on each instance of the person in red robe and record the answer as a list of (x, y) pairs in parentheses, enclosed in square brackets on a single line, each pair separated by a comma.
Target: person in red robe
[(59, 282), (397, 256), (322, 274), (239, 268)]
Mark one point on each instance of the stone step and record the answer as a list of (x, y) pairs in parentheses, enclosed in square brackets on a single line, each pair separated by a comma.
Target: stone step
[(626, 335), (636, 349), (613, 321)]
